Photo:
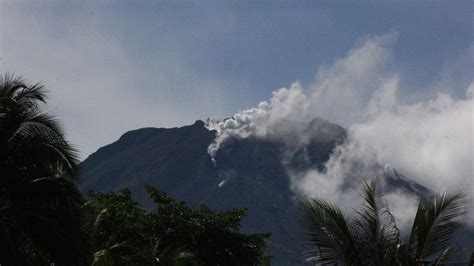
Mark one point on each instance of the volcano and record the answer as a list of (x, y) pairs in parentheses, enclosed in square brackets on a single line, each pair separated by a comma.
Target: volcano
[(245, 172)]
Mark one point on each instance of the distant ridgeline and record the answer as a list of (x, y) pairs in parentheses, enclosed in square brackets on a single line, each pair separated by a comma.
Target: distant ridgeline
[(250, 173)]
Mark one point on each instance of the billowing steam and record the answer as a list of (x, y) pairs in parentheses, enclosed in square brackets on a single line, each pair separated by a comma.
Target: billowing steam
[(430, 141), (262, 121)]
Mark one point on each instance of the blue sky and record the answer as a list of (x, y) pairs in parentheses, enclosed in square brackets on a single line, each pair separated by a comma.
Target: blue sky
[(112, 66)]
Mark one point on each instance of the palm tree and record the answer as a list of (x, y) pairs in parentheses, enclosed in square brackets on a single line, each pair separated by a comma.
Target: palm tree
[(39, 204), (372, 238)]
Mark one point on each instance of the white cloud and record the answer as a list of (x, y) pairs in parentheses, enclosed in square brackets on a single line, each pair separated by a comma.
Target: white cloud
[(431, 141), (341, 91)]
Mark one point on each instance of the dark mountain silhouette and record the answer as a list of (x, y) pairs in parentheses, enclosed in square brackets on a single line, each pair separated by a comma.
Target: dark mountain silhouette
[(249, 173)]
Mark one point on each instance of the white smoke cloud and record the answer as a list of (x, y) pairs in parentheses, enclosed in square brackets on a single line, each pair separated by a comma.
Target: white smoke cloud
[(341, 92), (261, 121), (430, 141)]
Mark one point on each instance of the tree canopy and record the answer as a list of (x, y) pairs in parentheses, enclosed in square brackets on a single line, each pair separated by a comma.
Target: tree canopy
[(171, 231)]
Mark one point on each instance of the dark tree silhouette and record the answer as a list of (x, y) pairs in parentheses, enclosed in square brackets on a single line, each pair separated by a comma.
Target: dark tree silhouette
[(39, 205), (170, 234)]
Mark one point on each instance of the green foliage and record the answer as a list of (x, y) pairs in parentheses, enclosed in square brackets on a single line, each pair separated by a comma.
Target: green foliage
[(40, 207), (373, 237), (171, 233), (115, 219)]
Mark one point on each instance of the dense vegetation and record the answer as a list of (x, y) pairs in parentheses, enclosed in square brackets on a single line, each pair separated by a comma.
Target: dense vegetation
[(170, 232), (45, 219), (373, 238)]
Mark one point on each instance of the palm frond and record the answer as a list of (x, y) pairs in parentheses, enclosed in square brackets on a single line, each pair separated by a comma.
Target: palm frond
[(443, 256), (378, 231), (30, 139), (30, 94), (40, 141), (436, 221), (329, 232), (10, 84)]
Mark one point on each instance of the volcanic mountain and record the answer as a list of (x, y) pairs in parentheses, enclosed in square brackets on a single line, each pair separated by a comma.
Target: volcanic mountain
[(247, 172)]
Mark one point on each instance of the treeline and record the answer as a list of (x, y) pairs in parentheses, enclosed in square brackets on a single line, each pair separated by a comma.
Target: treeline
[(170, 234)]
